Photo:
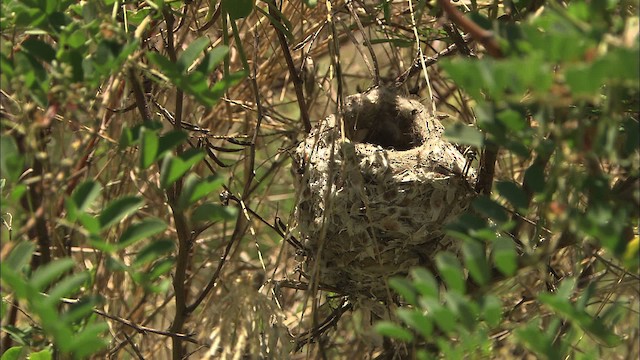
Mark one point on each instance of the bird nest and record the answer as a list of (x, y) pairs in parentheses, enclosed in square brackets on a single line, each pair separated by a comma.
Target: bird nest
[(375, 192)]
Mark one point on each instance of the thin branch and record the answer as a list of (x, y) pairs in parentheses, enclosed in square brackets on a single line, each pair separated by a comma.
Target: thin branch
[(428, 61), (487, 169), (138, 328), (297, 81), (374, 59), (481, 35)]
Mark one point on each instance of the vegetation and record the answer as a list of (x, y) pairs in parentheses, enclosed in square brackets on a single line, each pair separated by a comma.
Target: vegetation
[(146, 187)]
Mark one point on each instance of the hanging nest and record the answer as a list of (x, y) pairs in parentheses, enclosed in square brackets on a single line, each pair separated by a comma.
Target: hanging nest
[(376, 192)]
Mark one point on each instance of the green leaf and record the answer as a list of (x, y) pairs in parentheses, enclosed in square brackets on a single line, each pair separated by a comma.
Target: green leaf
[(394, 331), (68, 286), (170, 140), (492, 310), (149, 148), (238, 9), (212, 59), (212, 96), (15, 281), (425, 283), (282, 27), (213, 212), (47, 274), (191, 53), (6, 66), (166, 67), (464, 134), (15, 353), (476, 262), (404, 287), (504, 255), (417, 321), (90, 340), (444, 318), (85, 194), (11, 161), (153, 251), (512, 120), (490, 208), (464, 310), (141, 230), (195, 189), (534, 177), (90, 223), (39, 49), (118, 209), (540, 343), (20, 256), (513, 193), (593, 325), (81, 310), (173, 168), (311, 3), (126, 138), (41, 355), (451, 271), (160, 268)]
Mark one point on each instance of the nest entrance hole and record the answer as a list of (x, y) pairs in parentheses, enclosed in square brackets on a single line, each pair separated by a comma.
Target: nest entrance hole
[(395, 131), (383, 118)]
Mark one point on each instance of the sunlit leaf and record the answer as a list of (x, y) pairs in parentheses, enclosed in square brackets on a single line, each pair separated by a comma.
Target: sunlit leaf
[(238, 9), (140, 231), (195, 189), (170, 140), (20, 255), (213, 212), (153, 251), (451, 271), (118, 209), (191, 53), (417, 321), (463, 134), (148, 148), (513, 193), (404, 287), (85, 194), (173, 168), (425, 283), (476, 262), (504, 254), (48, 273), (389, 329)]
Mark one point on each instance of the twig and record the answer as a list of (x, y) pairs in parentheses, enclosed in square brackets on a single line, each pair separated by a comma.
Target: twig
[(297, 81), (428, 61), (374, 59), (138, 328), (180, 221), (133, 346), (481, 35), (457, 39), (311, 335), (487, 168), (237, 233)]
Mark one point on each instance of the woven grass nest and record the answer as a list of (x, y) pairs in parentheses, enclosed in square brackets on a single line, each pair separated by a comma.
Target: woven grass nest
[(394, 184)]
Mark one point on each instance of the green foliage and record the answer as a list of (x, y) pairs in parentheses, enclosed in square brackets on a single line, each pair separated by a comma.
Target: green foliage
[(73, 329), (563, 102), (437, 318), (238, 9), (561, 107), (194, 81)]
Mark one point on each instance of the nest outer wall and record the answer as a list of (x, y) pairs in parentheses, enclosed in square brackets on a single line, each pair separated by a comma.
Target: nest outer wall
[(373, 203)]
